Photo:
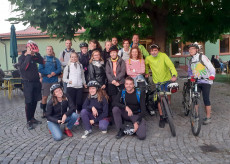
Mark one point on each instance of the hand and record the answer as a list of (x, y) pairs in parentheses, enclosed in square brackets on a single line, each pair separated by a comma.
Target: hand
[(94, 110), (63, 118), (114, 82), (103, 86), (146, 75), (61, 59), (53, 73), (28, 51), (192, 79), (173, 79), (135, 126), (59, 121), (91, 122), (130, 113), (211, 77), (49, 76), (70, 82), (85, 85)]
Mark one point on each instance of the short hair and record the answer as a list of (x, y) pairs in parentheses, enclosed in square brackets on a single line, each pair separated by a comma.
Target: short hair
[(129, 78), (125, 40), (107, 42)]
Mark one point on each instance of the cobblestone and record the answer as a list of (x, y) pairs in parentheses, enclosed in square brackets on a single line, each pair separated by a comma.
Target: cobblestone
[(18, 145)]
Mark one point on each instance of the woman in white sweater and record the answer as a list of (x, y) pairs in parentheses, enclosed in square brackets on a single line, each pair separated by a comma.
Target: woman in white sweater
[(74, 77)]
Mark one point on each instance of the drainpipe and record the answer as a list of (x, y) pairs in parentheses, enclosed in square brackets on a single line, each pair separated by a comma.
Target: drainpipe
[(5, 54)]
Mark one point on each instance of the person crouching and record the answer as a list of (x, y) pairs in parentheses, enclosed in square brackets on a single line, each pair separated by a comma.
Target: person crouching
[(58, 114), (95, 109)]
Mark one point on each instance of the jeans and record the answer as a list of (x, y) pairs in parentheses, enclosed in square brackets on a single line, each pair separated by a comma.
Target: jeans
[(137, 78), (56, 129), (86, 116)]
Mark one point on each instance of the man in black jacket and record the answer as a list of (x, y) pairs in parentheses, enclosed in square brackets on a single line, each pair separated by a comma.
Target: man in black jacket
[(130, 105), (32, 86)]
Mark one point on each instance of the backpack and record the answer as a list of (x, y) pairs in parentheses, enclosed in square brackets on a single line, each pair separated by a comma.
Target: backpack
[(121, 52), (54, 61), (138, 94), (200, 60)]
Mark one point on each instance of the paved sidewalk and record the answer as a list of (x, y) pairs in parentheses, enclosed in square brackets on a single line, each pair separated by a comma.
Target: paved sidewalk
[(18, 145)]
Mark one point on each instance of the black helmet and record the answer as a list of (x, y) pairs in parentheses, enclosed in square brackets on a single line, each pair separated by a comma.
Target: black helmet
[(83, 44), (113, 48), (53, 87), (194, 45), (152, 46), (93, 83)]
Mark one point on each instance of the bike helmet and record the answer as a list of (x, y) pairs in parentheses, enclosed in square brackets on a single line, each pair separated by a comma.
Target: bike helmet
[(173, 87), (83, 44), (33, 46), (93, 83), (194, 45), (53, 87), (154, 46)]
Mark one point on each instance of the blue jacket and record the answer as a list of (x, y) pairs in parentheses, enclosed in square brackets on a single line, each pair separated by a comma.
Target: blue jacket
[(52, 64)]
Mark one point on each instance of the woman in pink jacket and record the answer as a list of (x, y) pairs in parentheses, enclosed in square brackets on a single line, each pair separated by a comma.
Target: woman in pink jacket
[(135, 65)]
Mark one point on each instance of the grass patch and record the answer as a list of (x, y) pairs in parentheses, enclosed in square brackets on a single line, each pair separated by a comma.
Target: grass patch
[(222, 78)]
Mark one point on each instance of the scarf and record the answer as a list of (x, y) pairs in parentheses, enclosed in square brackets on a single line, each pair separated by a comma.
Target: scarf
[(93, 96), (98, 63)]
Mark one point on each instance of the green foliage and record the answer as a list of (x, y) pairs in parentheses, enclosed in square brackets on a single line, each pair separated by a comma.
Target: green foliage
[(195, 20)]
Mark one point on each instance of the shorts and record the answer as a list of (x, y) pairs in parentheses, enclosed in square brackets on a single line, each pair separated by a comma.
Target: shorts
[(164, 87), (205, 89), (46, 88), (32, 91)]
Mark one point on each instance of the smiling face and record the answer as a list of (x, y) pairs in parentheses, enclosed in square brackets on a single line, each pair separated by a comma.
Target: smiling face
[(58, 93), (114, 41), (129, 85), (84, 50), (192, 51), (92, 45), (96, 56), (113, 54), (108, 45), (135, 39), (73, 58), (68, 44), (134, 54), (126, 44), (92, 90)]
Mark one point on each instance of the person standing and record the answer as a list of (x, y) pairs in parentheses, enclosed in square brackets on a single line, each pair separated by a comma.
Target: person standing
[(30, 77), (201, 67), (124, 52), (135, 43), (94, 45), (115, 43), (49, 72), (64, 58), (105, 54)]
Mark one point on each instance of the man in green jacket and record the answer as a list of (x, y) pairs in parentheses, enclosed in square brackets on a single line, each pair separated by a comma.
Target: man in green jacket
[(163, 70), (141, 47)]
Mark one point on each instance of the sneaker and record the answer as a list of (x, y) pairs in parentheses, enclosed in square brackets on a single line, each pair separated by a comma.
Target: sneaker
[(34, 121), (162, 122), (104, 131), (120, 134), (68, 133), (30, 125), (206, 121), (152, 112), (87, 133)]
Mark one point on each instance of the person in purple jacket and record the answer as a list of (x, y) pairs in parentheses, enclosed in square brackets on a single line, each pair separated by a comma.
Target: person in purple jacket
[(95, 109)]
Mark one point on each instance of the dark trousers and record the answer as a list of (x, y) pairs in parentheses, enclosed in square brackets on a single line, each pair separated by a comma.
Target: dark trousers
[(119, 114), (205, 89), (76, 95), (32, 93), (86, 116)]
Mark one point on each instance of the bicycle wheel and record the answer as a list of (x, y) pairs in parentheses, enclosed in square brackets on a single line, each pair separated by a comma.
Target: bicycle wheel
[(169, 117), (186, 100), (195, 117)]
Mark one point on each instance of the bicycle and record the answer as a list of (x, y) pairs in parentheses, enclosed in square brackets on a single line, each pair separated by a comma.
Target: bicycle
[(191, 101), (162, 97)]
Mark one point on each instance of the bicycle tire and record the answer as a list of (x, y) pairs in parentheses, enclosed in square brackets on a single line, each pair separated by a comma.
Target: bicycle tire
[(186, 96), (169, 117), (195, 118)]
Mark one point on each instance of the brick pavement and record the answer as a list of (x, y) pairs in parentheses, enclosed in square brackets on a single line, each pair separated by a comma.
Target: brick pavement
[(18, 145)]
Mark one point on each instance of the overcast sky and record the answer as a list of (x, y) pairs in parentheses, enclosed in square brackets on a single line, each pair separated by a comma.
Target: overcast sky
[(5, 13)]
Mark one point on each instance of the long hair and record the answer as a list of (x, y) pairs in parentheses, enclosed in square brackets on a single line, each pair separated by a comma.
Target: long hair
[(73, 53), (98, 46), (100, 94), (55, 100), (52, 50), (139, 56), (91, 59)]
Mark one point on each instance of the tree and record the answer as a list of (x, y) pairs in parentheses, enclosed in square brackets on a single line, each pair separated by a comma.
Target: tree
[(193, 20)]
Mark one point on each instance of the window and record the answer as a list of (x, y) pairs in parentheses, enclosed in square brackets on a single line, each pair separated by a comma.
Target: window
[(224, 45)]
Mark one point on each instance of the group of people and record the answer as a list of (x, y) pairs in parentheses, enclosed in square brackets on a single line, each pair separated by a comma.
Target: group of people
[(218, 63), (110, 76)]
